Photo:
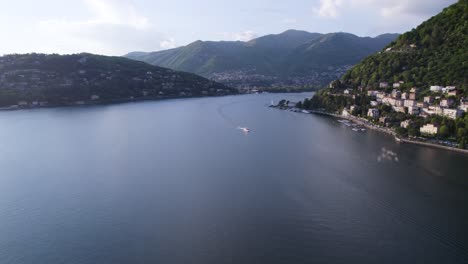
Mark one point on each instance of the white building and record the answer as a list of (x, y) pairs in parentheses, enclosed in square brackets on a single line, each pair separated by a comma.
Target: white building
[(373, 113), (410, 103), (94, 97), (437, 110), (383, 84), (452, 113), (436, 88), (413, 110), (399, 103), (396, 93), (399, 109), (346, 112), (448, 89), (422, 104), (463, 107), (429, 99), (414, 90), (446, 103), (374, 103), (405, 124), (388, 101), (429, 129)]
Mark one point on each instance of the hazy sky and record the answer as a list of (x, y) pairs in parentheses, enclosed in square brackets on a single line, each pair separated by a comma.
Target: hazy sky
[(115, 27)]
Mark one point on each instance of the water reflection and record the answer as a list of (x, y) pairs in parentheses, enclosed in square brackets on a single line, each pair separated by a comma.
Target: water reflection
[(387, 155)]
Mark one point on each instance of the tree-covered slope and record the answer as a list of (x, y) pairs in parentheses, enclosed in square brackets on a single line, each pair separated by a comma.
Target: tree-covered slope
[(79, 78), (435, 53), (292, 57), (334, 50), (206, 57)]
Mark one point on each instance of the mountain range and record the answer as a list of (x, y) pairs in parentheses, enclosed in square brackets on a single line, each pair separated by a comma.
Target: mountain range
[(293, 58), (31, 80)]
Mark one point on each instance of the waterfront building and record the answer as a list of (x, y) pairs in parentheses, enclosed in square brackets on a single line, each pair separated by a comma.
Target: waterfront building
[(429, 129)]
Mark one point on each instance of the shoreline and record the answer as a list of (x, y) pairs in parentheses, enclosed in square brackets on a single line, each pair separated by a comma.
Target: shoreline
[(388, 131), (106, 102)]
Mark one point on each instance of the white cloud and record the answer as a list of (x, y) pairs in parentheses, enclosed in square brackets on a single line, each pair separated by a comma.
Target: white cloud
[(169, 43), (114, 27), (117, 12), (386, 8), (241, 36), (329, 8), (381, 15)]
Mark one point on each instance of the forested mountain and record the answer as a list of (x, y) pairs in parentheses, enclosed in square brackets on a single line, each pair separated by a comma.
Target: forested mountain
[(292, 58), (435, 53), (37, 80)]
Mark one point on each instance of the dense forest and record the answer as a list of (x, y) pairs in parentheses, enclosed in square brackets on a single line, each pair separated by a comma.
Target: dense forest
[(39, 79), (435, 53)]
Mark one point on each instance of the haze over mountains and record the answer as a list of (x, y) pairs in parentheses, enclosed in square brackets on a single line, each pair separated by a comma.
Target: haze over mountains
[(293, 58)]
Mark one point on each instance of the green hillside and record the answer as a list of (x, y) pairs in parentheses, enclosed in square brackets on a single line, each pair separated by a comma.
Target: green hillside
[(435, 53), (81, 78), (290, 58)]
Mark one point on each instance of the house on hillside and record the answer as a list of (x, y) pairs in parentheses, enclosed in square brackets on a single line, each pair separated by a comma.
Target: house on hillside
[(405, 124), (447, 103), (414, 110), (436, 88), (452, 113), (429, 99), (429, 129), (373, 113), (383, 84)]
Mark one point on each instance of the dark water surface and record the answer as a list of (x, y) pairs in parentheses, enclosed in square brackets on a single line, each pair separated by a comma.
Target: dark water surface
[(176, 182)]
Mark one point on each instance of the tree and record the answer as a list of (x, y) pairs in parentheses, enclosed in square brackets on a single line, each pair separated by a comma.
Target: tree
[(462, 143), (444, 131)]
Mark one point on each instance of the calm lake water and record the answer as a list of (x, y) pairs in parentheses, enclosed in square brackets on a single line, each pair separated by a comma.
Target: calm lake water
[(176, 182)]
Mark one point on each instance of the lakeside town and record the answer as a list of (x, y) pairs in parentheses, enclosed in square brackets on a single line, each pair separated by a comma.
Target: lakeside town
[(434, 116)]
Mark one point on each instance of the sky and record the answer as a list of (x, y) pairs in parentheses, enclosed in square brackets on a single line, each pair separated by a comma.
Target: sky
[(116, 27)]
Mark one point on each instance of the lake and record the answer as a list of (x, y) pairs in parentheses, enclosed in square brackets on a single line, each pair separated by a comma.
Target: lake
[(176, 181)]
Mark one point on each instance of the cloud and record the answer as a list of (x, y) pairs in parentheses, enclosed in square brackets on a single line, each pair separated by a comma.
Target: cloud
[(114, 27), (117, 12), (244, 36), (329, 8), (377, 16), (169, 43), (385, 8)]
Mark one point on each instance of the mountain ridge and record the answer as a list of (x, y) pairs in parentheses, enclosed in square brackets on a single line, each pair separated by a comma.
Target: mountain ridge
[(38, 79), (268, 60)]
